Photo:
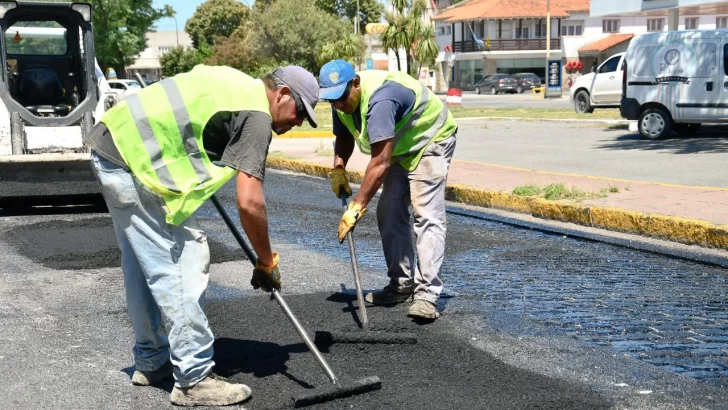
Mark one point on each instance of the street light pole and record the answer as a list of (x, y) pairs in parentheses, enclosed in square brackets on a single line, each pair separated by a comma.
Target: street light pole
[(175, 29)]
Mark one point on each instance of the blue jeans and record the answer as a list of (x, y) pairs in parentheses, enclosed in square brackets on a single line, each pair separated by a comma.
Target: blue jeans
[(165, 275)]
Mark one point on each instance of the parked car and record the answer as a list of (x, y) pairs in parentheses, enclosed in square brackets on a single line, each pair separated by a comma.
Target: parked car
[(526, 81), (676, 81), (496, 83), (600, 89), (123, 87)]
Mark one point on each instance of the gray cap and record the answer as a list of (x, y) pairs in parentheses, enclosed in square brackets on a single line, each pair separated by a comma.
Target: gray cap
[(303, 83)]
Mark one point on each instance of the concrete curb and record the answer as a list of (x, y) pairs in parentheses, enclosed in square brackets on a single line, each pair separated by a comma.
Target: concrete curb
[(676, 229)]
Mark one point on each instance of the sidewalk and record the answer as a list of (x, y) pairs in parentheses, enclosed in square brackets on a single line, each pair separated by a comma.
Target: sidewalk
[(693, 215)]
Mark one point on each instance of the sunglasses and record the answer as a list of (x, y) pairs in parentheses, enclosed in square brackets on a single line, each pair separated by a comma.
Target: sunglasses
[(300, 108), (345, 95)]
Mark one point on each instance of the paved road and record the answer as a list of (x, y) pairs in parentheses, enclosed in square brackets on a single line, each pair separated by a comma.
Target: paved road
[(592, 149), (557, 314), (525, 100)]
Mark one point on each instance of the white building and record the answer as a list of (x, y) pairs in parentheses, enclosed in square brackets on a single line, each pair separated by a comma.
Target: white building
[(481, 37), (158, 43)]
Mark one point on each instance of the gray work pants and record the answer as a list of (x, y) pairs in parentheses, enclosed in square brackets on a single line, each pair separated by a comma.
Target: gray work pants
[(424, 190)]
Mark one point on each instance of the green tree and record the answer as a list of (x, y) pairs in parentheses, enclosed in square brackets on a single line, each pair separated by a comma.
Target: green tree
[(234, 51), (370, 11), (120, 27), (295, 31), (216, 18), (406, 30), (179, 60), (426, 49), (350, 48)]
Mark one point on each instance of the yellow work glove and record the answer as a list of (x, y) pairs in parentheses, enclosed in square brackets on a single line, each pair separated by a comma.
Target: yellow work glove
[(352, 215), (262, 275), (339, 182)]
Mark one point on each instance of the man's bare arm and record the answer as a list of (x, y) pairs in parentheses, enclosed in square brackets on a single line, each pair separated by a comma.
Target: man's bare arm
[(376, 171), (253, 215)]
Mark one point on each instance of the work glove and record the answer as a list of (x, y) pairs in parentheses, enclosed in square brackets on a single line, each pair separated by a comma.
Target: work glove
[(339, 182), (352, 215), (263, 275)]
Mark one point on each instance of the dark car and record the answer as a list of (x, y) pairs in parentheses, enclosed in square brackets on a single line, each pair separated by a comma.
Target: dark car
[(526, 81), (496, 83)]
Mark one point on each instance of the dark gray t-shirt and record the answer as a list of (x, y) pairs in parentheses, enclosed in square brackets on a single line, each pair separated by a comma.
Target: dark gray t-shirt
[(388, 105), (239, 140)]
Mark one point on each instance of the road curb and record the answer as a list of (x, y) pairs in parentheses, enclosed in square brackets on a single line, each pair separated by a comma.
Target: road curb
[(672, 228)]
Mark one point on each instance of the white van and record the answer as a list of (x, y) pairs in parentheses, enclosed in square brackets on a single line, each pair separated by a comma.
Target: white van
[(675, 81), (601, 88)]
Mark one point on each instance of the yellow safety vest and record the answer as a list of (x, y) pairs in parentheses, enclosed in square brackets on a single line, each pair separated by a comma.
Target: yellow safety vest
[(158, 132), (429, 120)]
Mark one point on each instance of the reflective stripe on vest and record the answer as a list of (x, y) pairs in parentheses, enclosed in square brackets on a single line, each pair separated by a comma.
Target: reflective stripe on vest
[(158, 132), (428, 121)]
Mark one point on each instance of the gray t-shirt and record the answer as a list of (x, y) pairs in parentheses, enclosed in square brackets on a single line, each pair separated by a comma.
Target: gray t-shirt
[(388, 104), (239, 140)]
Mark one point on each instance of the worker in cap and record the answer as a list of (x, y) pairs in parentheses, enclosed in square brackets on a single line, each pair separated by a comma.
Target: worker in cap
[(410, 136), (158, 156)]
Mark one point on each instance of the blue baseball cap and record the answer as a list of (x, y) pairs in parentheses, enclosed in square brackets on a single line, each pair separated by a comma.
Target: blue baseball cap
[(333, 78)]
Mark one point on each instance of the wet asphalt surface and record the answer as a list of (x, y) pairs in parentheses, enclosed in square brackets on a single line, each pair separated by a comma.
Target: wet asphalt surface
[(530, 320)]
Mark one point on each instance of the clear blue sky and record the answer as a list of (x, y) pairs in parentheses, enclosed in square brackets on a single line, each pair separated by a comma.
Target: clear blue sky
[(185, 9)]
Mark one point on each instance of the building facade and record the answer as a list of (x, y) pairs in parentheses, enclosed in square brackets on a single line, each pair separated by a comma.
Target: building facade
[(158, 43), (483, 37)]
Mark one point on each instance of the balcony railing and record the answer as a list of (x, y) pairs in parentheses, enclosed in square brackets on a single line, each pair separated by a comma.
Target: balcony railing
[(507, 45)]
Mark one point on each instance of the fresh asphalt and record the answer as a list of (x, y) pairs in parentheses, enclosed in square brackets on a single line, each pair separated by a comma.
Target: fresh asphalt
[(527, 316)]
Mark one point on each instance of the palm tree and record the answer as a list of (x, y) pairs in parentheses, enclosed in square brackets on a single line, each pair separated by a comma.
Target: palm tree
[(349, 48), (427, 49), (406, 31)]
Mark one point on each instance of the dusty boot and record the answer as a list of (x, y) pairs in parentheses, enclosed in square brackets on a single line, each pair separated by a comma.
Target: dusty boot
[(423, 309), (388, 296), (148, 378), (211, 391)]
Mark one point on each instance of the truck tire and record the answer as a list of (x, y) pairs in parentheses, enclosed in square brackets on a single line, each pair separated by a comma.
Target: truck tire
[(654, 124), (582, 105), (686, 128)]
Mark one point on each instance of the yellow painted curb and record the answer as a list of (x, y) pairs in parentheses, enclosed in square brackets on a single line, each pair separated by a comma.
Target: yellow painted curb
[(683, 230)]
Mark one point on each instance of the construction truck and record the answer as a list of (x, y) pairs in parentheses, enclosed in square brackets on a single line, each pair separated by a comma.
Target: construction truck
[(52, 92)]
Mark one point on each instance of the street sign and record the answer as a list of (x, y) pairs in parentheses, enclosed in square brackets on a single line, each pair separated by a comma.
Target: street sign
[(553, 78), (370, 63)]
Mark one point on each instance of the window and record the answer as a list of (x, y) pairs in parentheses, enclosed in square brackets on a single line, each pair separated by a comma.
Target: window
[(164, 50), (571, 28), (610, 26), (610, 65), (691, 23), (721, 22), (540, 29), (41, 38), (443, 31), (523, 33), (655, 24)]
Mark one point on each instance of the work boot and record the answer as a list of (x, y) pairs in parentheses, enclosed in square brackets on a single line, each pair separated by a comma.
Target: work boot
[(211, 391), (149, 378), (388, 296), (423, 309)]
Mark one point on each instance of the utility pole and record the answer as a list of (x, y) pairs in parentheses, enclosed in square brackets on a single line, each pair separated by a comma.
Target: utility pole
[(548, 29)]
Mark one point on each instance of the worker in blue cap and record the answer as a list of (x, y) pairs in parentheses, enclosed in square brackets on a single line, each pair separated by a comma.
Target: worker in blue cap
[(410, 136)]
